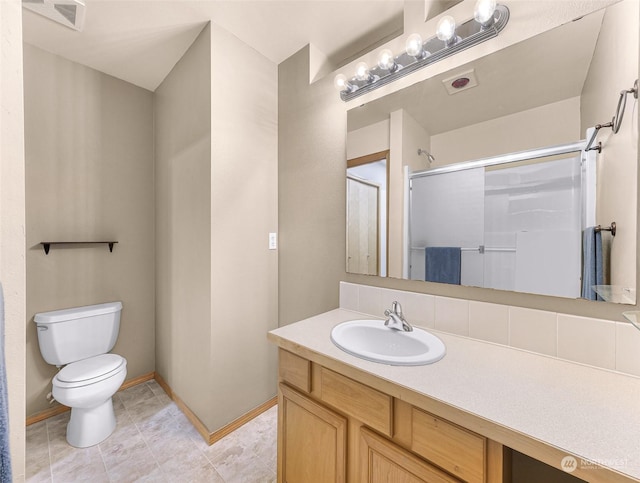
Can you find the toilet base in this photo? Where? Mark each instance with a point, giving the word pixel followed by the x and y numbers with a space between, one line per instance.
pixel 90 426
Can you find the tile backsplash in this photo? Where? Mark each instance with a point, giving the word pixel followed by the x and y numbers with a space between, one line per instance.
pixel 596 342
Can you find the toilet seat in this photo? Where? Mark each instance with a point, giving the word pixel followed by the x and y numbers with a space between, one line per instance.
pixel 89 371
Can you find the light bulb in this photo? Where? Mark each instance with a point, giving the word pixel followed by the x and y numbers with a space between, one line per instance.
pixel 386 60
pixel 414 45
pixel 362 71
pixel 341 83
pixel 483 12
pixel 446 29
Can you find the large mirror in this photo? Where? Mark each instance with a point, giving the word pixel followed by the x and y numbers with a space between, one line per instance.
pixel 480 177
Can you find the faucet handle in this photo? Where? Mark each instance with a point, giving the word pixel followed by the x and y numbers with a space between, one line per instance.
pixel 397 308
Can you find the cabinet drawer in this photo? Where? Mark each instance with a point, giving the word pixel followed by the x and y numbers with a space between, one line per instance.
pixel 295 370
pixel 363 403
pixel 456 450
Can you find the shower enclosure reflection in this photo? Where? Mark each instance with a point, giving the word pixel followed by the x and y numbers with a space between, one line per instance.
pixel 518 225
pixel 513 226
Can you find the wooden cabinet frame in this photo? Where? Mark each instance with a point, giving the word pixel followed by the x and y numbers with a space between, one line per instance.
pixel 361 418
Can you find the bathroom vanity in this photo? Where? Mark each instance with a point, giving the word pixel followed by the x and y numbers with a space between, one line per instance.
pixel 344 419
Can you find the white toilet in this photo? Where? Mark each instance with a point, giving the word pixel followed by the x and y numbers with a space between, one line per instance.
pixel 81 337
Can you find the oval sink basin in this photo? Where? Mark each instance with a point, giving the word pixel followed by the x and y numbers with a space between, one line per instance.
pixel 373 341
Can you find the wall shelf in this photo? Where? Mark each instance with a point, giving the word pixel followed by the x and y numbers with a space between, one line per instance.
pixel 46 245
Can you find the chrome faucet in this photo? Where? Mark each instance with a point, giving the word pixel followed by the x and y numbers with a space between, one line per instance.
pixel 395 318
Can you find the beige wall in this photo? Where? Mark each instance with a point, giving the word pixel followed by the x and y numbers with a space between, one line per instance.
pixel 216 189
pixel 312 151
pixel 617 164
pixel 556 123
pixel 12 223
pixel 244 196
pixel 368 140
pixel 414 137
pixel 406 136
pixel 396 193
pixel 312 125
pixel 183 224
pixel 89 176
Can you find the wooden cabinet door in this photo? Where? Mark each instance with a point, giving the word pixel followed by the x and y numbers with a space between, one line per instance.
pixel 312 441
pixel 381 461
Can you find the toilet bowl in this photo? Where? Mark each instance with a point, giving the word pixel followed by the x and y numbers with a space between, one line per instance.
pixel 87 387
pixel 80 339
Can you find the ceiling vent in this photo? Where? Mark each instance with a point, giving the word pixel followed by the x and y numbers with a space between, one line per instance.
pixel 460 82
pixel 69 13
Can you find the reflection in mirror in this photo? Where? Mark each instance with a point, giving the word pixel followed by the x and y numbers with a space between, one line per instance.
pixel 488 180
pixel 367 214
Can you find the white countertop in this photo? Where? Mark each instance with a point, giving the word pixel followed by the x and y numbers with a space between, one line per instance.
pixel 590 413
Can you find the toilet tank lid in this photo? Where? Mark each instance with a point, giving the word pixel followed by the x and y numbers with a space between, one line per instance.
pixel 77 313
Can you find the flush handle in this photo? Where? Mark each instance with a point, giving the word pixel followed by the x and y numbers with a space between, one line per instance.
pixel 42 327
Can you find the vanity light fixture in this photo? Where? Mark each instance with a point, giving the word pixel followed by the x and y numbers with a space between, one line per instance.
pixel 446 30
pixel 414 47
pixel 483 12
pixel 489 20
pixel 362 72
pixel 386 61
pixel 342 83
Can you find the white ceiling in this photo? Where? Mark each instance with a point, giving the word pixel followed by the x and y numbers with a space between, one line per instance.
pixel 141 40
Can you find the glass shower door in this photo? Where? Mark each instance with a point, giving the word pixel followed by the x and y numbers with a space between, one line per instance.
pixel 533 218
pixel 447 210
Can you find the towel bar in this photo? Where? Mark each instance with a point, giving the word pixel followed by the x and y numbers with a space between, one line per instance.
pixel 611 228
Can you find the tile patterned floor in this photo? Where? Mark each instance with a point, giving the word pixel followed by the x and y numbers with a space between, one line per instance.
pixel 153 442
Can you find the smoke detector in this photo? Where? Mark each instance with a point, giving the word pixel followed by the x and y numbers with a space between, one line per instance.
pixel 69 13
pixel 460 82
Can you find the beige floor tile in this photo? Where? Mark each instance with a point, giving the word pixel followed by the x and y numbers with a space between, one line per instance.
pixel 153 442
pixel 166 439
pixel 37 461
pixel 37 469
pixel 190 467
pixel 58 424
pixel 155 476
pixel 57 433
pixel 188 428
pixel 136 395
pixel 148 409
pixel 236 462
pixel 129 460
pixel 260 437
pixel 80 465
pixel 41 477
pixel 156 388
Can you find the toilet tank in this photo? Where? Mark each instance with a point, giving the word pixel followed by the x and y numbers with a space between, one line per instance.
pixel 77 333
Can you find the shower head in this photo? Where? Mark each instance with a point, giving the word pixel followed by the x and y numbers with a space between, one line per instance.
pixel 430 158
